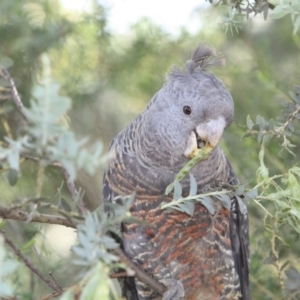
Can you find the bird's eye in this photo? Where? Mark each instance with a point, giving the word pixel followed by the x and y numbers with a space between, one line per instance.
pixel 187 110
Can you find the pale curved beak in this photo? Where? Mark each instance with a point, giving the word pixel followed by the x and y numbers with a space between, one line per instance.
pixel 206 134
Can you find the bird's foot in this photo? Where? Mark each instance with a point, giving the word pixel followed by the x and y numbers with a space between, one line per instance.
pixel 175 289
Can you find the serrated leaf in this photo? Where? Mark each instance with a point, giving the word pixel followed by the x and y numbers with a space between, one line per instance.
pixel 294 97
pixel 225 200
pixel 242 206
pixel 81 262
pixel 240 190
pixel 208 203
pixel 80 251
pixel 267 138
pixel 169 188
pixel 262 123
pixel 258 119
pixel 251 194
pixel 177 190
pixel 249 122
pixel 188 207
pixel 109 242
pixel 193 185
pixel 271 124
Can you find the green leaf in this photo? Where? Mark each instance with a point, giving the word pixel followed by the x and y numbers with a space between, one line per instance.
pixel 279 12
pixel 249 122
pixel 187 207
pixel 177 190
pixel 271 125
pixel 240 190
pixel 242 206
pixel 225 200
pixel 208 203
pixel 267 138
pixel 193 185
pixel 169 188
pixel 12 177
pixel 251 194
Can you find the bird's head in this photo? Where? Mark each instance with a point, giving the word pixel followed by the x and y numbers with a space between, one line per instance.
pixel 191 110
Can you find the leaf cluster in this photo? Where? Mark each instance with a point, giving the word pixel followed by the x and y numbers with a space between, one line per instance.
pixel 45 133
pixel 282 128
pixel 240 10
pixel 291 7
pixel 186 204
pixel 94 233
pixel 278 195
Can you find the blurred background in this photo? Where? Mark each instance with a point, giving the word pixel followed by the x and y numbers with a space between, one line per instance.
pixel 110 57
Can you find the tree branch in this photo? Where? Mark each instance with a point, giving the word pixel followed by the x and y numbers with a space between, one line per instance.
pixel 28 263
pixel 19 215
pixel 19 104
pixel 14 92
pixel 14 214
pixel 140 274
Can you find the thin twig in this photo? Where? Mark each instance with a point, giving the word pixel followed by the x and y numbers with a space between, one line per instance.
pixel 120 275
pixel 276 261
pixel 50 219
pixel 18 102
pixel 55 281
pixel 14 92
pixel 28 263
pixel 19 215
pixel 70 183
pixel 140 274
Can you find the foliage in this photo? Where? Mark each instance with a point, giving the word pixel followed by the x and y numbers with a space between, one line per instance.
pixel 224 195
pixel 233 13
pixel 282 190
pixel 93 256
pixel 110 79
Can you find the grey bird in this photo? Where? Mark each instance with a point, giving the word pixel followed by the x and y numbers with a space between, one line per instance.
pixel 204 256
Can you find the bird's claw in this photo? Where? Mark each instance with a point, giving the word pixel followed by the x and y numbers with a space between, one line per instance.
pixel 175 289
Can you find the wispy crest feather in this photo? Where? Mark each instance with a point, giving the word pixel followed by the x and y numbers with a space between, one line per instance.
pixel 203 58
